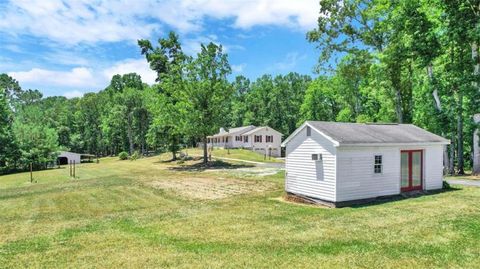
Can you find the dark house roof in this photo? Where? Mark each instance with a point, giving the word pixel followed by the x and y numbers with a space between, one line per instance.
pixel 374 133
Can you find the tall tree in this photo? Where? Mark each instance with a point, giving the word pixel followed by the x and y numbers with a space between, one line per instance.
pixel 169 61
pixel 10 86
pixel 207 93
pixel 8 150
pixel 320 101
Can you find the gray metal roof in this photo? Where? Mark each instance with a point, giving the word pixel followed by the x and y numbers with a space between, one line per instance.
pixel 366 133
pixel 234 131
pixel 240 130
pixel 260 128
pixel 253 130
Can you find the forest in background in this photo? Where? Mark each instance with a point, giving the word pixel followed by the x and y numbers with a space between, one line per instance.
pixel 380 61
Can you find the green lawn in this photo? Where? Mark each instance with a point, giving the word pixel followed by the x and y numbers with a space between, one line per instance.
pixel 243 154
pixel 151 214
pixel 468 176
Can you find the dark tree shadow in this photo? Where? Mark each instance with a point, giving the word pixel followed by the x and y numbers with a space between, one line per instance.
pixel 403 196
pixel 365 202
pixel 188 158
pixel 212 165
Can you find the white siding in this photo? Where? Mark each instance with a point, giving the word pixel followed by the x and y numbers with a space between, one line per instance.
pixel 302 175
pixel 262 147
pixel 356 178
pixel 433 167
pixel 71 157
pixel 235 143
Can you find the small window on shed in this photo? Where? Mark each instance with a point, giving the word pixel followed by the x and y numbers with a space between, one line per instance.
pixel 309 131
pixel 378 165
pixel 316 157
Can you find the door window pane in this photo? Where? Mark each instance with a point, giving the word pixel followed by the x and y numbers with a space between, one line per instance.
pixel 404 170
pixel 416 168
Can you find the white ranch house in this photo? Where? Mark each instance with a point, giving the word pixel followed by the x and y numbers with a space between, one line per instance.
pixel 340 163
pixel 264 139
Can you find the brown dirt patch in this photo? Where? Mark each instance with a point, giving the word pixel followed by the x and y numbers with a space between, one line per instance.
pixel 211 188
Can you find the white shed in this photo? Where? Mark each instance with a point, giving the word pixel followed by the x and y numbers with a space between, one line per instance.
pixel 339 163
pixel 65 157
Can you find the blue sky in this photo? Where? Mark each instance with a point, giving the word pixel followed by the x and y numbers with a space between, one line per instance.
pixel 72 47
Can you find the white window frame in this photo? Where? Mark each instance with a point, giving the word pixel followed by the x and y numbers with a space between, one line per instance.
pixel 375 164
pixel 319 157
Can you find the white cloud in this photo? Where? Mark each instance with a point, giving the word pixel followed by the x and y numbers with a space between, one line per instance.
pixel 79 77
pixel 75 22
pixel 73 94
pixel 139 66
pixel 91 21
pixel 82 77
pixel 289 62
pixel 238 68
pixel 192 45
pixel 295 14
pixel 66 58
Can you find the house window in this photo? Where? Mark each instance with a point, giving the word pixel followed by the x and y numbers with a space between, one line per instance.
pixel 309 131
pixel 378 165
pixel 269 138
pixel 246 139
pixel 226 139
pixel 257 139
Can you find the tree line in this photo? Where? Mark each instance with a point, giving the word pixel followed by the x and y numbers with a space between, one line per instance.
pixel 404 61
pixel 380 61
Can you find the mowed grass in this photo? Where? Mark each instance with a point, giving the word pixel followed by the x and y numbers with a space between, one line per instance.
pixel 468 176
pixel 243 154
pixel 111 216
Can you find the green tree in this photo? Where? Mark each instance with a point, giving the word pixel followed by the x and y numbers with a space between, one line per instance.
pixel 238 106
pixel 10 86
pixel 88 121
pixel 8 150
pixel 205 98
pixel 165 99
pixel 38 144
pixel 320 101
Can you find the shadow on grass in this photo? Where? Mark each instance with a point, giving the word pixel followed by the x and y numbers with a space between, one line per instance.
pixel 188 158
pixel 212 165
pixel 301 199
pixel 403 196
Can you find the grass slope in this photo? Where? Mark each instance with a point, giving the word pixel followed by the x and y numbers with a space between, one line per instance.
pixel 112 217
pixel 465 177
pixel 242 154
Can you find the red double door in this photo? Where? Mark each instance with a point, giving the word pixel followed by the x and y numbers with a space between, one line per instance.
pixel 411 175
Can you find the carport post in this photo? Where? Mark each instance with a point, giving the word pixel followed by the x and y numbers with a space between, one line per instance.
pixel 31 173
pixel 70 167
pixel 73 169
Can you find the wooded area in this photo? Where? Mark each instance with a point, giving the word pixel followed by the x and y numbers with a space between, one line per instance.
pixel 380 61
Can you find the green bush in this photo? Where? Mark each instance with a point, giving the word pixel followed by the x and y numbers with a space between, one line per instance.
pixel 123 155
pixel 136 155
